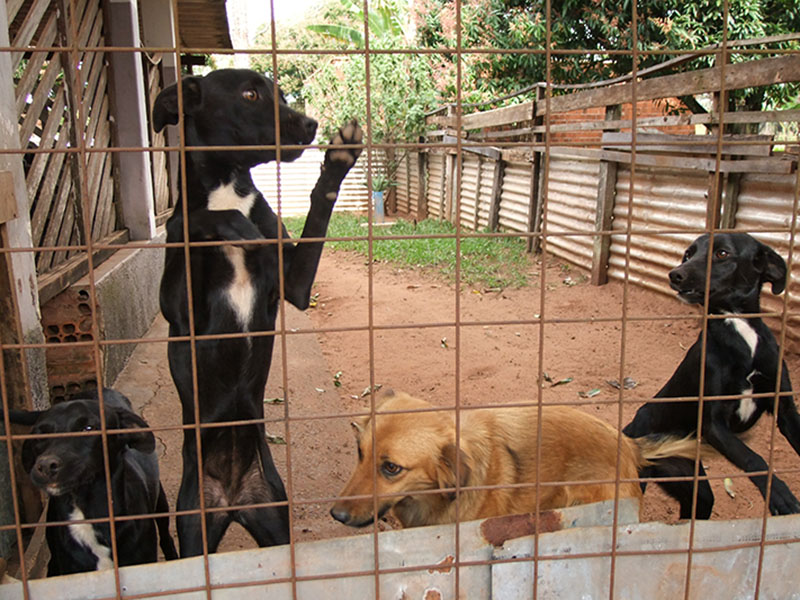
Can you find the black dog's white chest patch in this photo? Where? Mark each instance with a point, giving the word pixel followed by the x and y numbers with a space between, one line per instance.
pixel 84 534
pixel 747 405
pixel 240 292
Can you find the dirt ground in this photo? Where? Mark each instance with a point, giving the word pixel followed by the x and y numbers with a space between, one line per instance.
pixel 493 358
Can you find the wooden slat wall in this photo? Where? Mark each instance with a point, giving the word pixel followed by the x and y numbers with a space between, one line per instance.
pixel 48 121
pixel 163 202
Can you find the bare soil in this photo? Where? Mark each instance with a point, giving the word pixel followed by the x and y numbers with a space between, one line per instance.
pixel 494 357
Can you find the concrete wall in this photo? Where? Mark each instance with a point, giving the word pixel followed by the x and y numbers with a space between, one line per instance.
pixel 418 563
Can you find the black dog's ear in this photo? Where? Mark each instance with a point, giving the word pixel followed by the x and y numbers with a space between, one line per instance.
pixel 165 108
pixel 446 468
pixel 23 417
pixel 143 441
pixel 771 266
pixel 28 457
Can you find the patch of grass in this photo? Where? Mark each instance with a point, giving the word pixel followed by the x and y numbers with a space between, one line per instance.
pixel 486 262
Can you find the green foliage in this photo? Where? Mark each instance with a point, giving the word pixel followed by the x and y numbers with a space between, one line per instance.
pixel 486 262
pixel 601 27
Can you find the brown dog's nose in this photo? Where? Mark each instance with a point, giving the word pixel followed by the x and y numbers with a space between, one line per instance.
pixel 340 514
pixel 47 466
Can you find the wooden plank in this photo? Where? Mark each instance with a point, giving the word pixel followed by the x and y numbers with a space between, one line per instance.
pixel 30 24
pixel 498 116
pixel 604 214
pixel 40 99
pixel 45 200
pixel 736 144
pixel 488 152
pixel 8 199
pixel 767 71
pixel 776 165
pixel 35 64
pixel 57 280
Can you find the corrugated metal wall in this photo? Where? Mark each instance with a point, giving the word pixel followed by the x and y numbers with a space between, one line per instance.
pixel 436 184
pixel 297 179
pixel 662 200
pixel 571 208
pixel 766 202
pixel 414 187
pixel 515 197
pixel 487 185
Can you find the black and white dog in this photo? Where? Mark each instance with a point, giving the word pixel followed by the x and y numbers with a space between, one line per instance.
pixel 741 360
pixel 72 472
pixel 236 288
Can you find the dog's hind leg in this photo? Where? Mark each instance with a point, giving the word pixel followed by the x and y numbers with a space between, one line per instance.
pixel 162 524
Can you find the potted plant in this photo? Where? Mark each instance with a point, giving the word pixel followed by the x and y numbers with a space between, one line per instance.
pixel 381 182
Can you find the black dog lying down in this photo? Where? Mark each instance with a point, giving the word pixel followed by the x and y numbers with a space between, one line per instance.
pixel 71 471
pixel 236 289
pixel 741 359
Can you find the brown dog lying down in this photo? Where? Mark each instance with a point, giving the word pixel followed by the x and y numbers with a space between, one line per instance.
pixel 417 451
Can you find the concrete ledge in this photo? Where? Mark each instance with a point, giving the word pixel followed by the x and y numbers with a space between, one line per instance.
pixel 419 563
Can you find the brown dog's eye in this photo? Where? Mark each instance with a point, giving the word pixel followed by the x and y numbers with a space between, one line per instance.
pixel 391 469
pixel 250 95
pixel 721 254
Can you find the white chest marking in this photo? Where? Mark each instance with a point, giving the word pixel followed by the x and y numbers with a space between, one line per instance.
pixel 240 292
pixel 83 533
pixel 226 198
pixel 744 329
pixel 747 405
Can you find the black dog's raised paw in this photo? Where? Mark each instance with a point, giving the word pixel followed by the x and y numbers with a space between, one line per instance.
pixel 344 158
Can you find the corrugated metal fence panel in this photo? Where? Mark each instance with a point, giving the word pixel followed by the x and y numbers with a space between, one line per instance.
pixel 515 197
pixel 297 179
pixel 402 192
pixel 487 185
pixel 571 208
pixel 436 168
pixel 470 166
pixel 766 202
pixel 662 200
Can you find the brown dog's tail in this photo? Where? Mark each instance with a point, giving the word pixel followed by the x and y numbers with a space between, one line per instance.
pixel 658 447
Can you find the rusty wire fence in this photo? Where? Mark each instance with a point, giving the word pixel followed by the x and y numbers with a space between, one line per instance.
pixel 465 561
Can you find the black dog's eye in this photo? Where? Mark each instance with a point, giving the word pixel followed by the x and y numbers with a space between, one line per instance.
pixel 721 254
pixel 390 469
pixel 88 428
pixel 250 95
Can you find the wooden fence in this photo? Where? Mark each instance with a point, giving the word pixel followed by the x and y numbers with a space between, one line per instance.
pixel 626 205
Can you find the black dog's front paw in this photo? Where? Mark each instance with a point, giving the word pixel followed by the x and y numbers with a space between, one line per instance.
pixel 782 501
pixel 342 159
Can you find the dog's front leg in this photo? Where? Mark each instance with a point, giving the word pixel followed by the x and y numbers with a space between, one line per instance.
pixel 722 439
pixel 788 418
pixel 302 260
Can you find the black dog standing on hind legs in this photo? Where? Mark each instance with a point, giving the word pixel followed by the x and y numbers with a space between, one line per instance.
pixel 741 359
pixel 235 289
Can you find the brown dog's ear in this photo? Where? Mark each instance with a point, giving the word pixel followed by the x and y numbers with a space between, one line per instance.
pixel 771 266
pixel 143 441
pixel 165 108
pixel 359 425
pixel 446 468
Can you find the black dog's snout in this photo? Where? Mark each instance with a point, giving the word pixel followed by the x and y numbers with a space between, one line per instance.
pixel 676 276
pixel 47 466
pixel 310 126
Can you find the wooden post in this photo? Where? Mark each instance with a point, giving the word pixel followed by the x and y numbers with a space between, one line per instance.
pixel 449 178
pixel 24 371
pixel 477 193
pixel 157 32
pixel 497 190
pixel 443 186
pixel 534 200
pixel 606 192
pixel 129 105
pixel 422 200
pixel 730 200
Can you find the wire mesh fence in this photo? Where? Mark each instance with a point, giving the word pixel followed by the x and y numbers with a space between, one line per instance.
pixel 603 184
